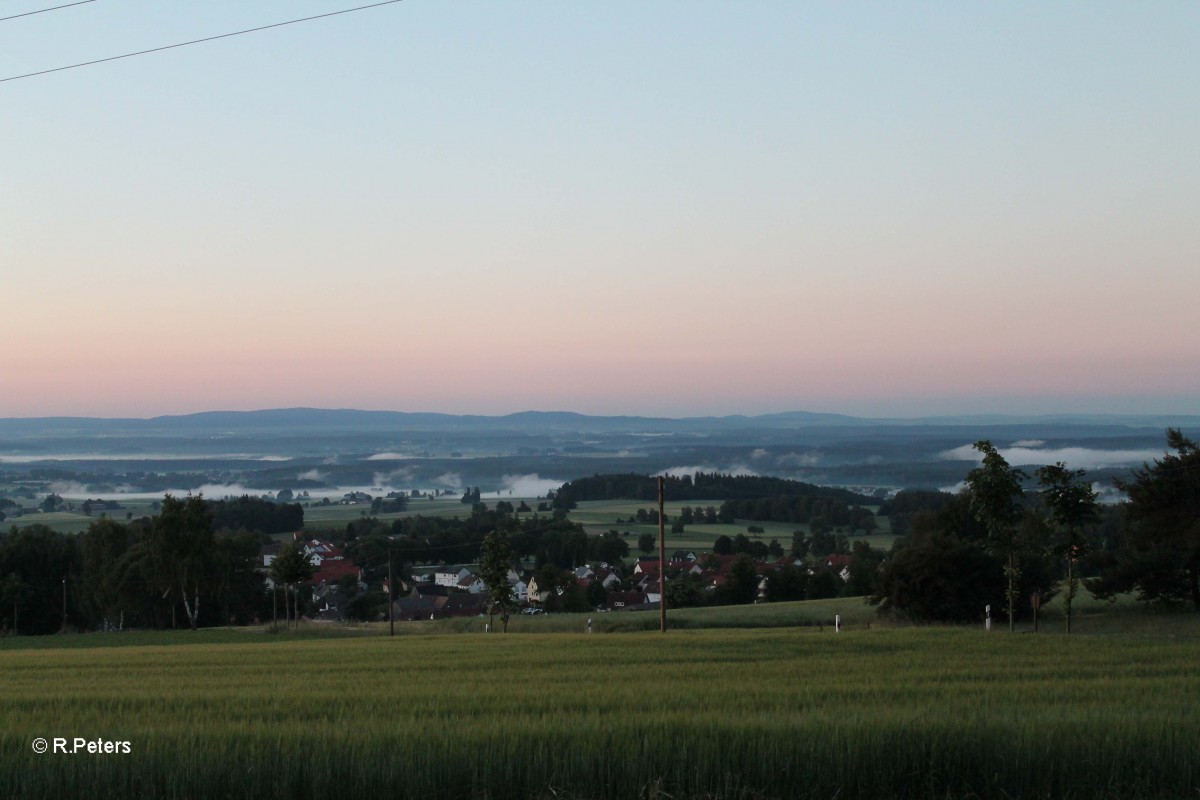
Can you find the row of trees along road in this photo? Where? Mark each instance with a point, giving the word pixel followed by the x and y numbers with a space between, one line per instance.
pixel 994 539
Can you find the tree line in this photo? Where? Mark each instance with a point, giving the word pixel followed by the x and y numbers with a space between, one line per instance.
pixel 700 486
pixel 194 563
pixel 997 541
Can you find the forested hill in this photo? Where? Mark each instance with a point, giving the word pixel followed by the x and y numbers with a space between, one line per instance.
pixel 701 486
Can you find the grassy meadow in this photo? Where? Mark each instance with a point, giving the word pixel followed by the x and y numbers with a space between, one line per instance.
pixel 791 712
pixel 335 515
pixel 598 516
pixel 76 521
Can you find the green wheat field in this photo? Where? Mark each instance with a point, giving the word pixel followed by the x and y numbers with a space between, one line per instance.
pixel 718 713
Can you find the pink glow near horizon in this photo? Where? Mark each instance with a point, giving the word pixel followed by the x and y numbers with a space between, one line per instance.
pixel 546 209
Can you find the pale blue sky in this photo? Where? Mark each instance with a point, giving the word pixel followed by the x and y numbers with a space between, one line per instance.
pixel 470 206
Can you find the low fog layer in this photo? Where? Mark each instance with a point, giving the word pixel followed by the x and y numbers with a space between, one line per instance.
pixel 1073 457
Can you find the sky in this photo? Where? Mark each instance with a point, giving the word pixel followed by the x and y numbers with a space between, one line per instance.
pixel 665 208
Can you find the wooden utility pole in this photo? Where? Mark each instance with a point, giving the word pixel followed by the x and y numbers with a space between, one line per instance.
pixel 662 563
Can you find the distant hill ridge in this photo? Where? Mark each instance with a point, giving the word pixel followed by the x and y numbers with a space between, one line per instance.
pixel 357 419
pixel 366 421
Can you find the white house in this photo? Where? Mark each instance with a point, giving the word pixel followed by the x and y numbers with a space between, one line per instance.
pixel 472 584
pixel 319 552
pixel 609 580
pixel 520 590
pixel 450 576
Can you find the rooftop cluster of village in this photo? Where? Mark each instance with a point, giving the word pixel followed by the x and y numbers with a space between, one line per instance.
pixel 692 578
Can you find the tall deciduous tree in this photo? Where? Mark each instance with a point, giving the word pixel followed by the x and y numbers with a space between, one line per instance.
pixel 171 558
pixel 102 549
pixel 1164 511
pixel 13 593
pixel 495 560
pixel 290 567
pixel 181 543
pixel 995 493
pixel 1072 504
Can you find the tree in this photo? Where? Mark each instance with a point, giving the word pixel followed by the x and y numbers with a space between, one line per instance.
pixel 609 548
pixel 822 543
pixel 799 544
pixel 234 581
pixel 686 591
pixel 174 555
pixel 787 583
pixel 907 502
pixel 995 491
pixel 723 546
pixel 573 597
pixel 290 567
pixel 1072 504
pixel 102 548
pixel 13 593
pixel 933 575
pixel 51 502
pixel 824 584
pixel 646 542
pixel 35 560
pixel 742 584
pixel 1162 558
pixel 495 560
pixel 366 606
pixel 864 567
pixel 596 594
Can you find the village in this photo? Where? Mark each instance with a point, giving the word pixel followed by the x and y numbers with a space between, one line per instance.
pixel 458 591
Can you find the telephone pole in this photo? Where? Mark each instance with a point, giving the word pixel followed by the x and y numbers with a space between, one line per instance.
pixel 662 563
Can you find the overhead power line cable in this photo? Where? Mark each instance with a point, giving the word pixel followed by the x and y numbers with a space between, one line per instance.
pixel 199 41
pixel 44 10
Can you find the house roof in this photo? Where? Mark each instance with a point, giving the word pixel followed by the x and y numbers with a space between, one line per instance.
pixel 323 549
pixel 623 599
pixel 330 571
pixel 456 601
